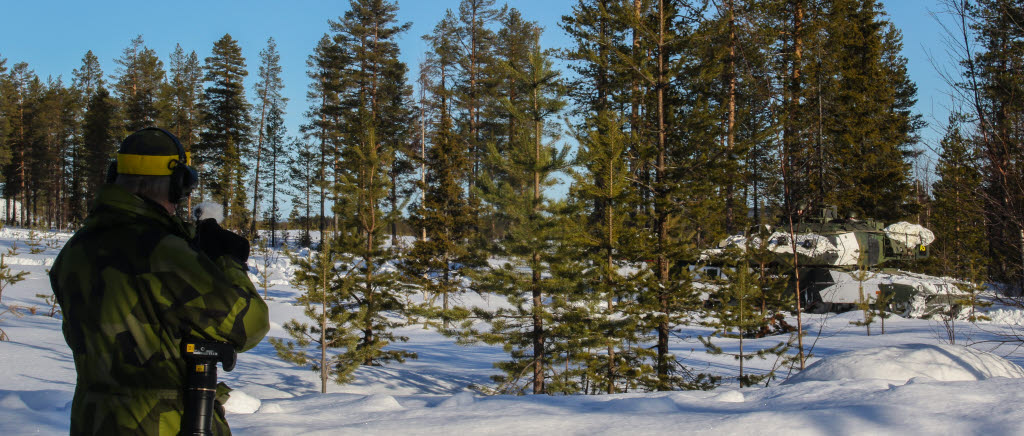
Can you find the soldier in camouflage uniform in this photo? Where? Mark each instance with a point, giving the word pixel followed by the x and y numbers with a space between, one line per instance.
pixel 135 281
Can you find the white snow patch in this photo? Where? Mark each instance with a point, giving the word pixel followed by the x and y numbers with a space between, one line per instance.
pixel 907 361
pixel 1006 316
pixel 29 260
pixel 241 402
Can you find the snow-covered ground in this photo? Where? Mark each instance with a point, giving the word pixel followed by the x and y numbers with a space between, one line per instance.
pixel 906 381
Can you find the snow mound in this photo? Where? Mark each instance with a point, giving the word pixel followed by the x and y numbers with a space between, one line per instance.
pixel 44 400
pixel 241 402
pixel 637 405
pixel 1005 316
pixel 460 399
pixel 730 397
pixel 374 403
pixel 905 362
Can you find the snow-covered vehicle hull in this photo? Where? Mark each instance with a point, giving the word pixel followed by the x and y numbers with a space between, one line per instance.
pixel 909 294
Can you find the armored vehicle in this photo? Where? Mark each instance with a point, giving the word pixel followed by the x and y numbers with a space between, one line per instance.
pixel 841 262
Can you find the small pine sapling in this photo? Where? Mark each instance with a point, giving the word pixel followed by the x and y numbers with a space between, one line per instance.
pixel 8 277
pixel 263 271
pixel 864 304
pixel 971 291
pixel 736 318
pixel 883 300
pixel 323 281
pixel 35 242
pixel 53 240
pixel 51 302
pixel 13 310
pixel 966 297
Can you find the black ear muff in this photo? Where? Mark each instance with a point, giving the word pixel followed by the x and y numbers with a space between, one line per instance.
pixel 183 177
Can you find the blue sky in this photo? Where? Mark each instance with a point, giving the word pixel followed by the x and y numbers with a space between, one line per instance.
pixel 52 36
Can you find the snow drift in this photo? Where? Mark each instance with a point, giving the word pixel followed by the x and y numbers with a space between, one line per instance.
pixel 907 361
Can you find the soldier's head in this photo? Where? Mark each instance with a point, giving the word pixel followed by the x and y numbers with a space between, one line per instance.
pixel 152 163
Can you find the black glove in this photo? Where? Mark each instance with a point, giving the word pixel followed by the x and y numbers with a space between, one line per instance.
pixel 213 240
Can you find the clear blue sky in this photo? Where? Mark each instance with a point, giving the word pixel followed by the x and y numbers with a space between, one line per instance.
pixel 52 36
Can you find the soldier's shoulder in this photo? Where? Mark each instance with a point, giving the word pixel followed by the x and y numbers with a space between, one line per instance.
pixel 128 241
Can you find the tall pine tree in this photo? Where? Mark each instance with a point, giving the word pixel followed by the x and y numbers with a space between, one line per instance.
pixel 226 139
pixel 137 85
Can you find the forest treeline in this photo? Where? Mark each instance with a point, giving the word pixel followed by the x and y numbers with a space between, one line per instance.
pixel 690 121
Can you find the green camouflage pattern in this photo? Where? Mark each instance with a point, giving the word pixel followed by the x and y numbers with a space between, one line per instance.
pixel 131 288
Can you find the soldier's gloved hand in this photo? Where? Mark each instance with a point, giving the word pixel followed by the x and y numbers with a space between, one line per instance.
pixel 215 241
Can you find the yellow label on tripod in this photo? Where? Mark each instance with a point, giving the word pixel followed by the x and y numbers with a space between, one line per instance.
pixel 200 368
pixel 189 348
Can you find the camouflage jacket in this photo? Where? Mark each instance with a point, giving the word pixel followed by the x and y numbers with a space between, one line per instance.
pixel 131 286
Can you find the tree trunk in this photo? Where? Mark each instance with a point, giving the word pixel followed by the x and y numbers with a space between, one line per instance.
pixel 256 178
pixel 789 144
pixel 538 303
pixel 730 78
pixel 661 218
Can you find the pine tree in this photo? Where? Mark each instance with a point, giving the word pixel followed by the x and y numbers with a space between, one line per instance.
pixel 324 68
pixel 268 92
pixel 51 133
pixel 137 85
pixel 302 180
pixel 604 237
pixel 21 85
pixel 533 232
pixel 596 35
pixel 735 316
pixel 320 277
pixel 864 300
pixel 276 156
pixel 515 42
pixel 226 140
pixel 445 213
pixel 99 137
pixel 674 136
pixel 184 91
pixel 958 216
pixel 604 191
pixel 6 95
pixel 475 60
pixel 373 82
pixel 993 87
pixel 86 82
pixel 869 123
pixel 89 77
